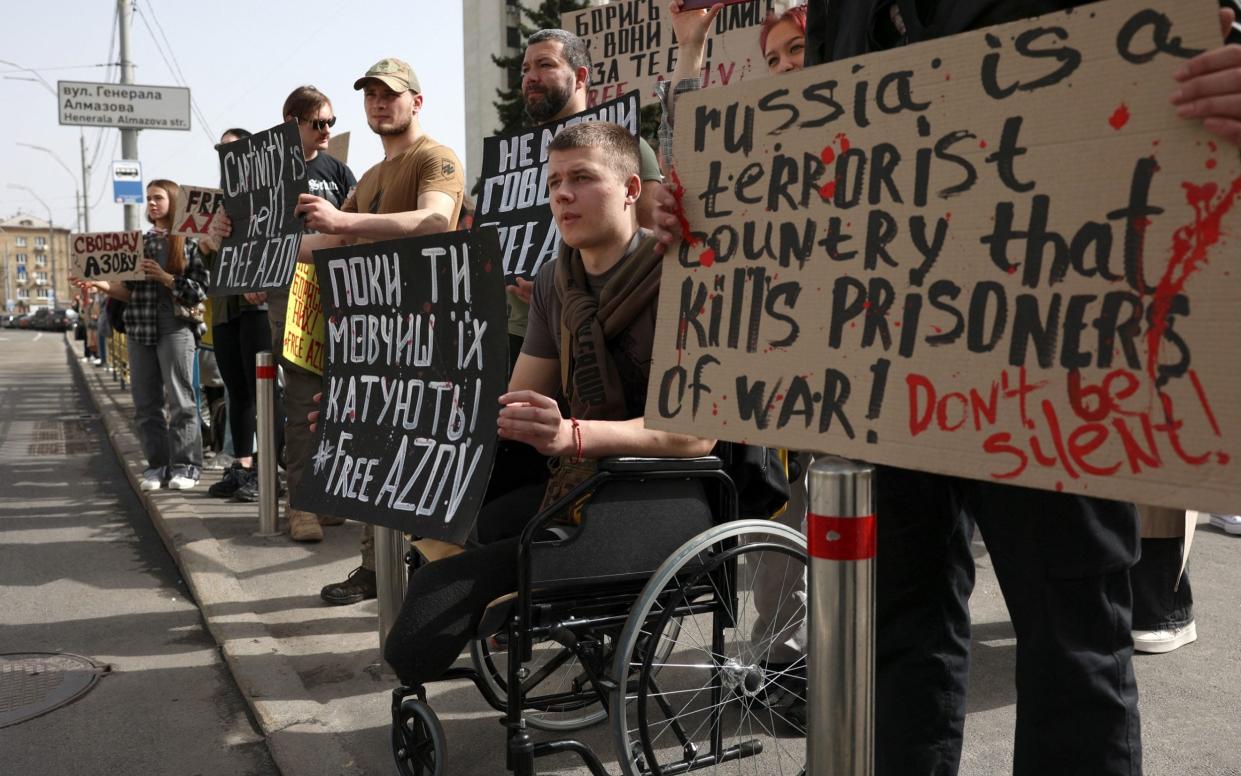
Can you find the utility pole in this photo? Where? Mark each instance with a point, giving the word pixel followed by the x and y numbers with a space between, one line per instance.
pixel 129 137
pixel 85 182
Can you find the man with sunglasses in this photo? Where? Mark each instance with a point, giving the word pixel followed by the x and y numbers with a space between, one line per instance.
pixel 332 180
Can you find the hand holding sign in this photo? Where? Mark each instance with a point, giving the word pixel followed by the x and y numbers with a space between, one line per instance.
pixel 535 419
pixel 1208 87
pixel 321 215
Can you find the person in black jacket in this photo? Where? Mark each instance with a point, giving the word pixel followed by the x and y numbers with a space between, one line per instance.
pixel 1062 561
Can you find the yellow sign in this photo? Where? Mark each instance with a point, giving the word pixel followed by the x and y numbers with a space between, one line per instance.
pixel 303 321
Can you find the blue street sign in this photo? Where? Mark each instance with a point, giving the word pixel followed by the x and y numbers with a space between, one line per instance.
pixel 127 182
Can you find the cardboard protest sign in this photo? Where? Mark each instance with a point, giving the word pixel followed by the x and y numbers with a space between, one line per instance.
pixel 195 208
pixel 514 195
pixel 304 332
pixel 1000 255
pixel 262 176
pixel 632 45
pixel 416 362
pixel 107 256
pixel 338 147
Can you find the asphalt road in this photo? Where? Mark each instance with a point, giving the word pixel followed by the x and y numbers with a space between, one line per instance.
pixel 82 571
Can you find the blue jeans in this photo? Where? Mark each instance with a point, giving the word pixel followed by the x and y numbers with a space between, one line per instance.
pixel 1063 565
pixel 165 413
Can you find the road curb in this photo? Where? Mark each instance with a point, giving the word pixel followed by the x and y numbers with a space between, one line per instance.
pixel 277 696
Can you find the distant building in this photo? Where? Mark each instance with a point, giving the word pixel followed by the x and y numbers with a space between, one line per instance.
pixel 34 264
pixel 491 27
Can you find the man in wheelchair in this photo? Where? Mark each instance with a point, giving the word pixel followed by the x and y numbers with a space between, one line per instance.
pixel 592 320
pixel 588 349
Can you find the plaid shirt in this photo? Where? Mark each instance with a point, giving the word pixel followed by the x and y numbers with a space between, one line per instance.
pixel 188 289
pixel 667 122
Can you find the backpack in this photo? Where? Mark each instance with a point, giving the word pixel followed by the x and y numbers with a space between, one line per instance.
pixel 116 315
pixel 760 476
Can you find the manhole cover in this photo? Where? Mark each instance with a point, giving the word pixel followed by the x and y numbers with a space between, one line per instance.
pixel 61 437
pixel 34 683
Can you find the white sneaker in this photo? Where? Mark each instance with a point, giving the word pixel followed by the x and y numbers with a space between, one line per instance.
pixel 1230 523
pixel 1160 641
pixel 152 479
pixel 181 481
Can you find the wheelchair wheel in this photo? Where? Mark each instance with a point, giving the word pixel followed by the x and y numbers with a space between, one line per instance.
pixel 418 743
pixel 712 693
pixel 559 696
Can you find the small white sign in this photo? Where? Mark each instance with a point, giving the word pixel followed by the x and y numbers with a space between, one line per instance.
pixel 125 106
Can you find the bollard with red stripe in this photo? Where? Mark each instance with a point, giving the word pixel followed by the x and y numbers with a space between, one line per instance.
pixel 840 671
pixel 265 398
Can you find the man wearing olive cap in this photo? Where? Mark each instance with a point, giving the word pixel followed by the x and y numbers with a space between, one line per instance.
pixel 416 190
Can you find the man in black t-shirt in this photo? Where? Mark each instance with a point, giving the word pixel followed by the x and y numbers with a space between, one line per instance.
pixel 332 180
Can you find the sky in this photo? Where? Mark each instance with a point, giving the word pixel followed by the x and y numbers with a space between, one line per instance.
pixel 239 59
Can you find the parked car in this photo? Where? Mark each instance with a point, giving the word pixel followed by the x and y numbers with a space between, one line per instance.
pixel 62 320
pixel 41 319
pixel 23 321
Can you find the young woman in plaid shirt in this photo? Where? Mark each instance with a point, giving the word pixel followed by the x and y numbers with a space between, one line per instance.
pixel 162 339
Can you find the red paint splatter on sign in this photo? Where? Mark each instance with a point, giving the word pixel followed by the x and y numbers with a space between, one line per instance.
pixel 678 191
pixel 1190 245
pixel 1119 117
pixel 828 190
pixel 1210 164
pixel 828 154
pixel 706 258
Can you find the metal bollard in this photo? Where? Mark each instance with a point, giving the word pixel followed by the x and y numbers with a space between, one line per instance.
pixel 265 394
pixel 391 576
pixel 840 532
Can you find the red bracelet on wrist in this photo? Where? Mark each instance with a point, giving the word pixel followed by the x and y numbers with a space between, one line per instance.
pixel 577 438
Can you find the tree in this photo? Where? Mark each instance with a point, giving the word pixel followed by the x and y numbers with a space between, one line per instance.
pixel 510 107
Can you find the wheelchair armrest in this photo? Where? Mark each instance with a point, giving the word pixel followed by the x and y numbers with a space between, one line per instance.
pixel 644 465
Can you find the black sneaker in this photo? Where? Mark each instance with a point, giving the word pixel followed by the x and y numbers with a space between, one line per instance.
pixel 358 586
pixel 234 477
pixel 249 490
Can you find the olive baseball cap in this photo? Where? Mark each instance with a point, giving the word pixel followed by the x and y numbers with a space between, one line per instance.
pixel 393 72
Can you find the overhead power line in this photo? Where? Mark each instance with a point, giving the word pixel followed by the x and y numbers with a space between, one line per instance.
pixel 173 70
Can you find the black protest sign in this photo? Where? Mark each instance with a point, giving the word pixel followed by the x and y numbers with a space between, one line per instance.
pixel 262 177
pixel 514 196
pixel 417 358
pixel 1001 256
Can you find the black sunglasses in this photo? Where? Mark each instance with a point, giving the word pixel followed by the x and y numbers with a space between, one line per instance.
pixel 319 125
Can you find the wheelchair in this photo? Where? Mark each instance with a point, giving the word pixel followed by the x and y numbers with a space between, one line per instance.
pixel 641 615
